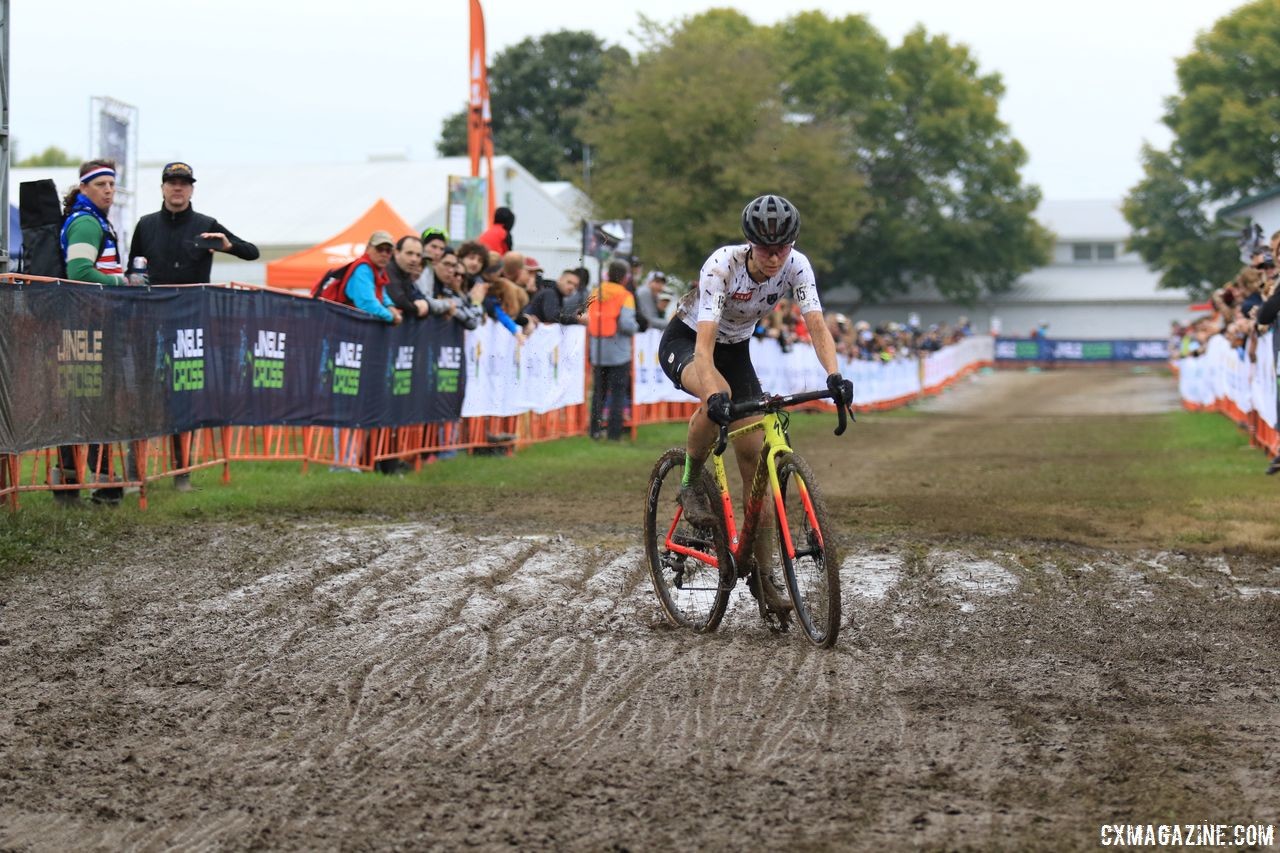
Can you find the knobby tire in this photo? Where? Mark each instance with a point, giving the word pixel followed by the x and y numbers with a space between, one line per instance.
pixel 813 576
pixel 692 594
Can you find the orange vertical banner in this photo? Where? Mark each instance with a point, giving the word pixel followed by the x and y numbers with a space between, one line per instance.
pixel 478 102
pixel 488 156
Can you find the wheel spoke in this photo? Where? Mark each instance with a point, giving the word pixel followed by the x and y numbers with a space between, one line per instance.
pixel 812 571
pixel 692 593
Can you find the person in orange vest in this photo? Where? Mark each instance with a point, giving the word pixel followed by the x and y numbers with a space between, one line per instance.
pixel 611 324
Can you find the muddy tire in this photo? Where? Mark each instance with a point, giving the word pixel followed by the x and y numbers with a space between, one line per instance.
pixel 693 594
pixel 813 573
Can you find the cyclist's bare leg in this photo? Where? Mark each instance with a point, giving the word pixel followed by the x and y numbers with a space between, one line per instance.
pixel 703 432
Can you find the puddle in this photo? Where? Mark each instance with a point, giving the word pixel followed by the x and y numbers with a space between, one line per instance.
pixel 871 576
pixel 981 577
pixel 1256 591
pixel 973 578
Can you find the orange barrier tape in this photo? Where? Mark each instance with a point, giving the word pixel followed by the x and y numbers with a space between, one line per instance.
pixel 1261 434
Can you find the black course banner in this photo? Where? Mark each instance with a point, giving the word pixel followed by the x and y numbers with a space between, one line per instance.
pixel 80 363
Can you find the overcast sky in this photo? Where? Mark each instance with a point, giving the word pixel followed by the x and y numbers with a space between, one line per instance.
pixel 254 81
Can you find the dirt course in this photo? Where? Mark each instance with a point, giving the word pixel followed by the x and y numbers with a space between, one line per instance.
pixel 422 686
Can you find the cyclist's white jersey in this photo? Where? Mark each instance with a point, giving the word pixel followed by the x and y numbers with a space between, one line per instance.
pixel 727 295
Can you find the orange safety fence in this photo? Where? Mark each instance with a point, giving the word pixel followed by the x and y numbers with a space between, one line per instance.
pixel 362 449
pixel 965 372
pixel 1261 434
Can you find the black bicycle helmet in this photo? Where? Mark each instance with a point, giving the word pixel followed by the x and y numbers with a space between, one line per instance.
pixel 770 220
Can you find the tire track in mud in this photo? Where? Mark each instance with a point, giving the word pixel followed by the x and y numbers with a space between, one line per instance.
pixel 405 686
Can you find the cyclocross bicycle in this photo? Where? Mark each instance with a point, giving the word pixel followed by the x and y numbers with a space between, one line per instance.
pixel 694 569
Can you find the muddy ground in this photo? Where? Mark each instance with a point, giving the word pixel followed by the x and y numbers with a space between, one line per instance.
pixel 414 686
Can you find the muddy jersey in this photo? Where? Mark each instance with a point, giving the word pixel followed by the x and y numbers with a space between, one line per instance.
pixel 727 295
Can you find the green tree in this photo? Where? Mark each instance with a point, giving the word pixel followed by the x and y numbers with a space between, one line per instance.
pixel 535 90
pixel 1226 126
pixel 51 156
pixel 1167 214
pixel 896 157
pixel 948 204
pixel 696 127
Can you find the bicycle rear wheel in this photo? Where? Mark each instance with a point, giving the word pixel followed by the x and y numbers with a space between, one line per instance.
pixel 811 564
pixel 692 592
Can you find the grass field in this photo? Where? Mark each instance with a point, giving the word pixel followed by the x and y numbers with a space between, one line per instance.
pixel 1177 480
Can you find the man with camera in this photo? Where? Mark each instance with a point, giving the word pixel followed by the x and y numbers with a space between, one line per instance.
pixel 178 244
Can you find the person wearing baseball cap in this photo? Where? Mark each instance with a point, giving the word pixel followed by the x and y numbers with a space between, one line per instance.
pixel 367 283
pixel 434 242
pixel 178 244
pixel 652 314
pixel 532 279
pixel 364 285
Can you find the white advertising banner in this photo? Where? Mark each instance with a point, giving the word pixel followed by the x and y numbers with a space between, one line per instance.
pixel 548 372
pixel 1264 381
pixel 1226 373
pixel 797 370
pixel 652 385
pixel 953 360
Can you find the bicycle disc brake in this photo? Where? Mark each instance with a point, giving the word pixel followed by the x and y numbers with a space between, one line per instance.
pixel 676 564
pixel 777 618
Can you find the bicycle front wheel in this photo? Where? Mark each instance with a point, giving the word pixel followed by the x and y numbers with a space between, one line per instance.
pixel 693 593
pixel 806 542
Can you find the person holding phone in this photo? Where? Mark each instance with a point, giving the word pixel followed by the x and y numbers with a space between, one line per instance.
pixel 178 244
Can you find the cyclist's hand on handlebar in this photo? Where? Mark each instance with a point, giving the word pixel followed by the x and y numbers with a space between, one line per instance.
pixel 718 408
pixel 841 390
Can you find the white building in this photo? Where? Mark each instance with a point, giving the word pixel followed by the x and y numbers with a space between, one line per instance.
pixel 1092 288
pixel 285 208
pixel 1263 209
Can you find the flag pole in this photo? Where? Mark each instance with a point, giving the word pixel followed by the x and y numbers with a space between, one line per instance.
pixel 479 118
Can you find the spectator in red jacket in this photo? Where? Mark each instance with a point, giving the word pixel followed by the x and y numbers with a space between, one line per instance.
pixel 498 236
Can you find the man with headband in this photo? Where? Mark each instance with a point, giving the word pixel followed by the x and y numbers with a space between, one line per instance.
pixel 89 243
pixel 92 253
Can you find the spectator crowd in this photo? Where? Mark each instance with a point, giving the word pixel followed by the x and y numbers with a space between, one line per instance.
pixel 861 340
pixel 403 278
pixel 1242 308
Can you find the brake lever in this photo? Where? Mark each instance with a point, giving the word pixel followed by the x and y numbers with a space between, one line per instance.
pixel 842 422
pixel 723 440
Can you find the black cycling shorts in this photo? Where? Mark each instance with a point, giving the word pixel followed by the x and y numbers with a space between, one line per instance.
pixel 732 360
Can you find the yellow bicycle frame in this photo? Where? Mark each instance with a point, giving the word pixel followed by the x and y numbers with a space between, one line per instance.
pixel 775 443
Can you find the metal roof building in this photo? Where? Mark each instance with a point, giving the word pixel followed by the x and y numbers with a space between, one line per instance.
pixel 1092 287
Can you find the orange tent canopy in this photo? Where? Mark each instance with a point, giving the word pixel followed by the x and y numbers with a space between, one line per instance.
pixel 302 270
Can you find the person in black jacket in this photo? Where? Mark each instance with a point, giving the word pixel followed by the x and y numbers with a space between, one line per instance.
pixel 548 303
pixel 402 273
pixel 168 240
pixel 168 237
